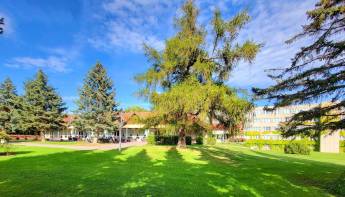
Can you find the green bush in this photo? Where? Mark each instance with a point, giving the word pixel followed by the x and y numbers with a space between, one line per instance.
pixel 210 140
pixel 297 147
pixel 4 136
pixel 4 139
pixel 273 144
pixel 338 186
pixel 169 140
pixel 342 146
pixel 188 140
pixel 199 140
pixel 342 133
pixel 151 139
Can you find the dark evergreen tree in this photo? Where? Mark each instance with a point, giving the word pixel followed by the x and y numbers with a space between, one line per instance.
pixel 96 104
pixel 43 107
pixel 10 108
pixel 317 73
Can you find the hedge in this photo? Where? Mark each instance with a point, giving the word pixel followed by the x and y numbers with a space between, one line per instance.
pixel 297 147
pixel 273 144
pixel 170 140
pixel 342 145
pixel 199 140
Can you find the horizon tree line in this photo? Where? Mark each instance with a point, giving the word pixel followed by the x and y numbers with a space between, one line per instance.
pixel 41 109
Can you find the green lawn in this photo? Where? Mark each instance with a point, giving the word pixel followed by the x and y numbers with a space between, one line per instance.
pixel 223 170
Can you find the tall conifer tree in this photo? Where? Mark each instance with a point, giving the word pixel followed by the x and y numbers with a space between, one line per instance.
pixel 96 104
pixel 43 106
pixel 316 73
pixel 10 107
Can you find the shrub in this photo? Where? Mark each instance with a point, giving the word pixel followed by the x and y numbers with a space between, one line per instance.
pixel 169 140
pixel 272 144
pixel 4 139
pixel 210 140
pixel 338 186
pixel 342 146
pixel 151 139
pixel 297 148
pixel 199 140
pixel 188 140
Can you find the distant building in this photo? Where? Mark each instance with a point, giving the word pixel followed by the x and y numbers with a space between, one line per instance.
pixel 133 129
pixel 262 120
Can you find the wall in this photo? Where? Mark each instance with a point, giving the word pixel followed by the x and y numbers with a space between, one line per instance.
pixel 330 143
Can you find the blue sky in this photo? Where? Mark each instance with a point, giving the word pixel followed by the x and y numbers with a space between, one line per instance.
pixel 65 38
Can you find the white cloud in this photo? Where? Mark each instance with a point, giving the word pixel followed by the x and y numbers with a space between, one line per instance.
pixel 272 24
pixel 129 24
pixel 57 59
pixel 126 25
pixel 51 62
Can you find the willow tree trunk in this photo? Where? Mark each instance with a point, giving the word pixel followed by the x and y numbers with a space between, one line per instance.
pixel 181 138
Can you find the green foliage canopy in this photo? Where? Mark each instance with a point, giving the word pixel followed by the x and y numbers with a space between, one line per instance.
pixel 192 78
pixel 43 107
pixel 11 107
pixel 96 104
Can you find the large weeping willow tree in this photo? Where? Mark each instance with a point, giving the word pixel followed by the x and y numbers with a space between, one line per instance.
pixel 191 74
pixel 316 73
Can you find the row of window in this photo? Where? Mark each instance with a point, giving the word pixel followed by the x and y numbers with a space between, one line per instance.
pixel 277 111
pixel 273 128
pixel 270 120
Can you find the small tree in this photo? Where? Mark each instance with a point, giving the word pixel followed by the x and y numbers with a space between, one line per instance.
pixel 96 104
pixel 4 142
pixel 43 110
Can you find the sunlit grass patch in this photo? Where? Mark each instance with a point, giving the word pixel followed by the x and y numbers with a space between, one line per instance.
pixel 221 170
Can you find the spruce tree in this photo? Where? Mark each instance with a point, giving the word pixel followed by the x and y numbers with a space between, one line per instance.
pixel 193 79
pixel 43 106
pixel 96 104
pixel 10 108
pixel 316 73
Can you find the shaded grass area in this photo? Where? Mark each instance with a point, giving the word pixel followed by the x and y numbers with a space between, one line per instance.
pixel 223 170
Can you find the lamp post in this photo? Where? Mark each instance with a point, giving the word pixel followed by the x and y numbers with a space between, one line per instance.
pixel 120 130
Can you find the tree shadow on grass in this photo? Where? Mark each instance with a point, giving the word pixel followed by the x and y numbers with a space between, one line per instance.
pixel 277 175
pixel 13 153
pixel 161 171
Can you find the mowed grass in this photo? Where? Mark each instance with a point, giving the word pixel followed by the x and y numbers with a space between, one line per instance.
pixel 222 170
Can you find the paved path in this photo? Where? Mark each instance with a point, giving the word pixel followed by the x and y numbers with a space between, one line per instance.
pixel 83 146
